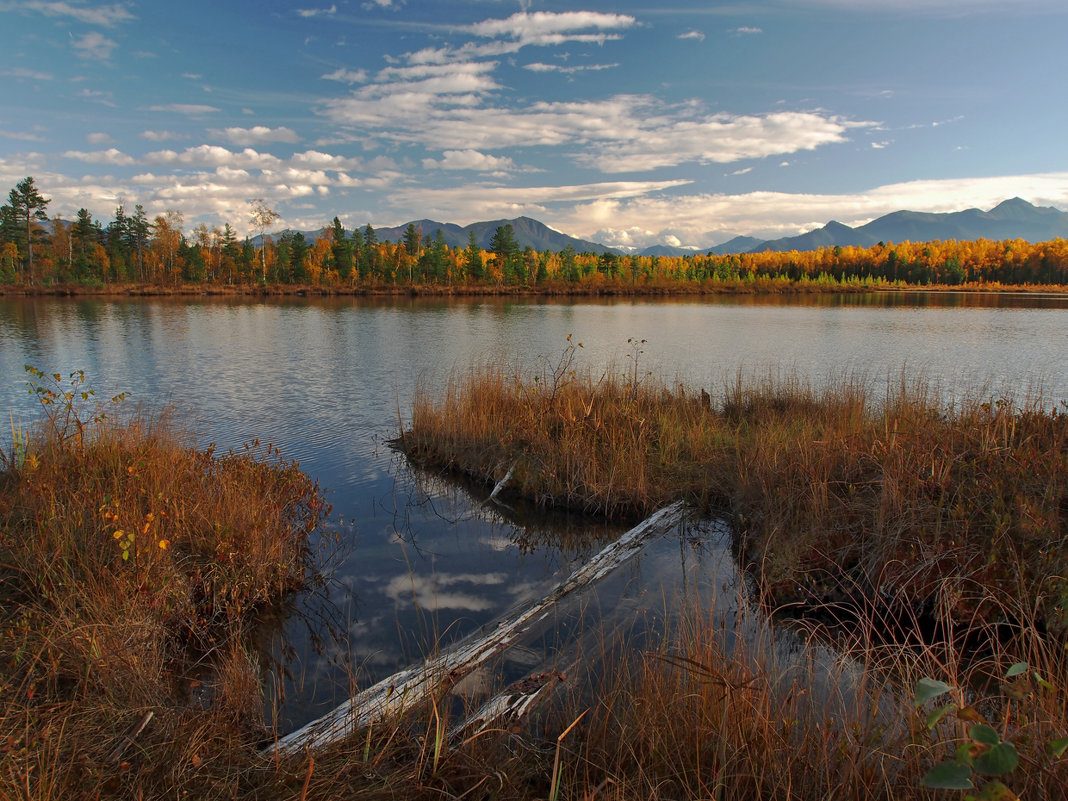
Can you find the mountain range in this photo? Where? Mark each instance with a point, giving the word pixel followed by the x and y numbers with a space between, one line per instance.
pixel 1011 219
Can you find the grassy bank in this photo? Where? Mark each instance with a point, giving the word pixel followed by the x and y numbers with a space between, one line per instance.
pixel 838 493
pixel 132 569
pixel 604 288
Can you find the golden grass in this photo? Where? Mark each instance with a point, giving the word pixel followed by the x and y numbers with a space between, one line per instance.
pixel 937 530
pixel 132 566
pixel 838 494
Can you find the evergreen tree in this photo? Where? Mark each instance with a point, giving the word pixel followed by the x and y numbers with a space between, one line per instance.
pixel 26 205
pixel 476 268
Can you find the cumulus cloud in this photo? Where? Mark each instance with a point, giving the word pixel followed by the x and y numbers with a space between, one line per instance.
pixel 525 29
pixel 776 214
pixel 346 76
pixel 315 12
pixel 746 31
pixel 94 45
pixel 625 133
pixel 109 156
pixel 258 134
pixel 160 136
pixel 99 139
pixel 692 35
pixel 470 160
pixel 534 27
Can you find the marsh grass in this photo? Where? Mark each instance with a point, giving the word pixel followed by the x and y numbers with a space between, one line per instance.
pixel 132 569
pixel 838 494
pixel 927 537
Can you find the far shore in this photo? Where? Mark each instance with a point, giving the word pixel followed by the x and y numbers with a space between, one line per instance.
pixel 760 286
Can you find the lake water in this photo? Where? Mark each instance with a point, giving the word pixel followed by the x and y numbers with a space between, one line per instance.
pixel 330 382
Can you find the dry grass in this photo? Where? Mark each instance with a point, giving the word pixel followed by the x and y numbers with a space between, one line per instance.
pixel 839 495
pixel 936 531
pixel 132 566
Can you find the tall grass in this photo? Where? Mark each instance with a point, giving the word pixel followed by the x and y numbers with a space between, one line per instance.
pixel 838 493
pixel 132 568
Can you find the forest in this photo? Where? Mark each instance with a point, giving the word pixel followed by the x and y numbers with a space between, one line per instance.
pixel 131 248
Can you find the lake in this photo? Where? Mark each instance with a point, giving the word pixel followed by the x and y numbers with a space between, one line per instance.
pixel 416 558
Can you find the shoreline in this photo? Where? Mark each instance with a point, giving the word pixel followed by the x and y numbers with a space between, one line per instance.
pixel 770 286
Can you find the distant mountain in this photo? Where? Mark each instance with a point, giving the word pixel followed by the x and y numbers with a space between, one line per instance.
pixel 1011 219
pixel 528 232
pixel 668 251
pixel 740 244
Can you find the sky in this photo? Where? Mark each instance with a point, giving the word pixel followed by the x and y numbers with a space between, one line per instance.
pixel 630 123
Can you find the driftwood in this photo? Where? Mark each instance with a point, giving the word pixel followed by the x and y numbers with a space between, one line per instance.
pixel 404 690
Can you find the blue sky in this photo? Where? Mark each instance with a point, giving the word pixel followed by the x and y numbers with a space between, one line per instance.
pixel 629 123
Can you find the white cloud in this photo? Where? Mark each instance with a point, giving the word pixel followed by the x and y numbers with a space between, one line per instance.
pixel 746 31
pixel 160 136
pixel 625 133
pixel 193 109
pixel 534 27
pixel 776 214
pixel 22 135
pixel 692 35
pixel 109 156
pixel 258 134
pixel 33 75
pixel 315 12
pixel 742 171
pixel 346 76
pixel 94 45
pixel 470 160
pixel 537 66
pixel 99 139
pixel 104 98
pixel 105 15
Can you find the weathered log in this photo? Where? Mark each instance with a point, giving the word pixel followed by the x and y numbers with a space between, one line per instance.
pixel 405 689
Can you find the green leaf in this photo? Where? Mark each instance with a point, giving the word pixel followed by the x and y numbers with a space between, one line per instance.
pixel 949 776
pixel 1056 748
pixel 984 734
pixel 1016 670
pixel 1042 682
pixel 999 760
pixel 926 689
pixel 938 714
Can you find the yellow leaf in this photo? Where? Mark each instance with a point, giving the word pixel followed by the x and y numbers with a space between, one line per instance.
pixel 164 544
pixel 118 534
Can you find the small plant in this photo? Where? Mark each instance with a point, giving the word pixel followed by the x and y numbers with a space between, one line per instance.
pixel 984 752
pixel 62 402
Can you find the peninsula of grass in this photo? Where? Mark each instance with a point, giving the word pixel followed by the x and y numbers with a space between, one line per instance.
pixel 844 494
pixel 133 567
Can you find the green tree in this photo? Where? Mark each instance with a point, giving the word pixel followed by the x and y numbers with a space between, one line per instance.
pixel 411 239
pixel 369 252
pixel 476 268
pixel 341 249
pixel 26 206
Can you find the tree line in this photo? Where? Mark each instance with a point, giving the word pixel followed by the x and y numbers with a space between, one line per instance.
pixel 132 248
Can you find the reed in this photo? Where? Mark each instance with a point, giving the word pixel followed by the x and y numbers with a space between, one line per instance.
pixel 843 493
pixel 132 568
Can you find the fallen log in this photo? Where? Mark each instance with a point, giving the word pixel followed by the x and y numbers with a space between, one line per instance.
pixel 405 689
